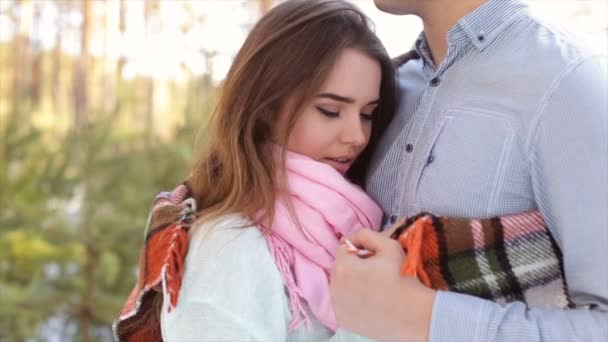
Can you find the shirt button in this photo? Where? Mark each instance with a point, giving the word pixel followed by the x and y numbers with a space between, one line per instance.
pixel 481 37
pixel 435 81
pixel 430 160
pixel 392 219
pixel 409 147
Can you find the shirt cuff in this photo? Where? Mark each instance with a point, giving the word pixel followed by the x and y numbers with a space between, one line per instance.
pixel 460 317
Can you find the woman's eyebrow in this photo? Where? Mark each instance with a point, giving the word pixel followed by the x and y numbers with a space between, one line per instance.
pixel 339 98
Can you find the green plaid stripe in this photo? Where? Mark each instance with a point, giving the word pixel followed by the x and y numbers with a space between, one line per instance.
pixel 526 268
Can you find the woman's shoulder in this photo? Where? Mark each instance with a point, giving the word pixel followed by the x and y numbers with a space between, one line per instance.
pixel 231 289
pixel 228 247
pixel 230 231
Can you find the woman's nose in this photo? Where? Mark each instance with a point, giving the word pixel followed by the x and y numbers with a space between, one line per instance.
pixel 354 132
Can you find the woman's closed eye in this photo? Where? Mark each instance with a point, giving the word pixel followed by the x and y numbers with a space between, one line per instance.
pixel 327 112
pixel 332 114
pixel 367 117
pixel 367 112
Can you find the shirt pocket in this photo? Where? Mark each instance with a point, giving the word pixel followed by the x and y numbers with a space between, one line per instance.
pixel 463 165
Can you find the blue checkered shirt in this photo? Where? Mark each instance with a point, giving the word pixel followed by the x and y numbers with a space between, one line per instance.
pixel 514 119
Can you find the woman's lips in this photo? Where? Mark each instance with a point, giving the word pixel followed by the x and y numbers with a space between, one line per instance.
pixel 340 164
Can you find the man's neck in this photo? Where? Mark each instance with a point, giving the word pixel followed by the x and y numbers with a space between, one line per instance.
pixel 438 17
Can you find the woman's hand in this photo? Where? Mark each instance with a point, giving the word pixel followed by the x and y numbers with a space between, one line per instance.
pixel 371 298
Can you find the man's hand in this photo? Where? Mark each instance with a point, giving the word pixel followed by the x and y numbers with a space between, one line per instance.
pixel 371 298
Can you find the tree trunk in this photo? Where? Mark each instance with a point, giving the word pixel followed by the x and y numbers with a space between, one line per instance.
pixel 150 10
pixel 57 57
pixel 20 57
pixel 81 93
pixel 122 27
pixel 108 96
pixel 35 86
pixel 81 104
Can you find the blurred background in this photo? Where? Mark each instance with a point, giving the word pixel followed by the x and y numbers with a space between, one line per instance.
pixel 101 102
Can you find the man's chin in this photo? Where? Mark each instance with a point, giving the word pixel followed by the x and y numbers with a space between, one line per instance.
pixel 397 7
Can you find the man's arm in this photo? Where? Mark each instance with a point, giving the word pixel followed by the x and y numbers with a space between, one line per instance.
pixel 569 153
pixel 568 148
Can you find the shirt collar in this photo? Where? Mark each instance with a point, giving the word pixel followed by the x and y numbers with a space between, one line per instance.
pixel 480 27
pixel 422 48
pixel 484 24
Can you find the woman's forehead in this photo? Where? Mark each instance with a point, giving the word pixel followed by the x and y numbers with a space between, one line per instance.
pixel 354 75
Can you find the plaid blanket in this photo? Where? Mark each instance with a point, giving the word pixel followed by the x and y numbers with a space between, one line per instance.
pixel 505 259
pixel 160 267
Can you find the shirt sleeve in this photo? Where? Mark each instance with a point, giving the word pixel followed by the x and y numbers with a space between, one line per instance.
pixel 568 149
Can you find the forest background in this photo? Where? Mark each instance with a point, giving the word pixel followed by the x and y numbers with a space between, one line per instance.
pixel 101 103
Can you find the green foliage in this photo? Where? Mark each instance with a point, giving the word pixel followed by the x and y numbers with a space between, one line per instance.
pixel 72 200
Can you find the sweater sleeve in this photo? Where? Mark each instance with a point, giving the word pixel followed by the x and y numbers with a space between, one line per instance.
pixel 231 289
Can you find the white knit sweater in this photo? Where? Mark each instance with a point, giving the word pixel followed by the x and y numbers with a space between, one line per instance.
pixel 233 291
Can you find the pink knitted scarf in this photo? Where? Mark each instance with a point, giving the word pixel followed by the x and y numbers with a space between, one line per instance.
pixel 326 206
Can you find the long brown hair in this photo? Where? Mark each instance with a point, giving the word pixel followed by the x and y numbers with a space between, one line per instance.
pixel 289 53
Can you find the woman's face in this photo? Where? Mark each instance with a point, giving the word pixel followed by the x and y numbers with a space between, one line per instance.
pixel 335 127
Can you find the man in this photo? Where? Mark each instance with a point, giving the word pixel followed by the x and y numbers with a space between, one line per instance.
pixel 501 114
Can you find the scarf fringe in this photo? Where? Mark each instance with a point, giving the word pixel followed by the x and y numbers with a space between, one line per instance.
pixel 173 265
pixel 283 256
pixel 412 241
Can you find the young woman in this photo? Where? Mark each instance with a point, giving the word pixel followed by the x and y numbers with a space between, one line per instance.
pixel 301 108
